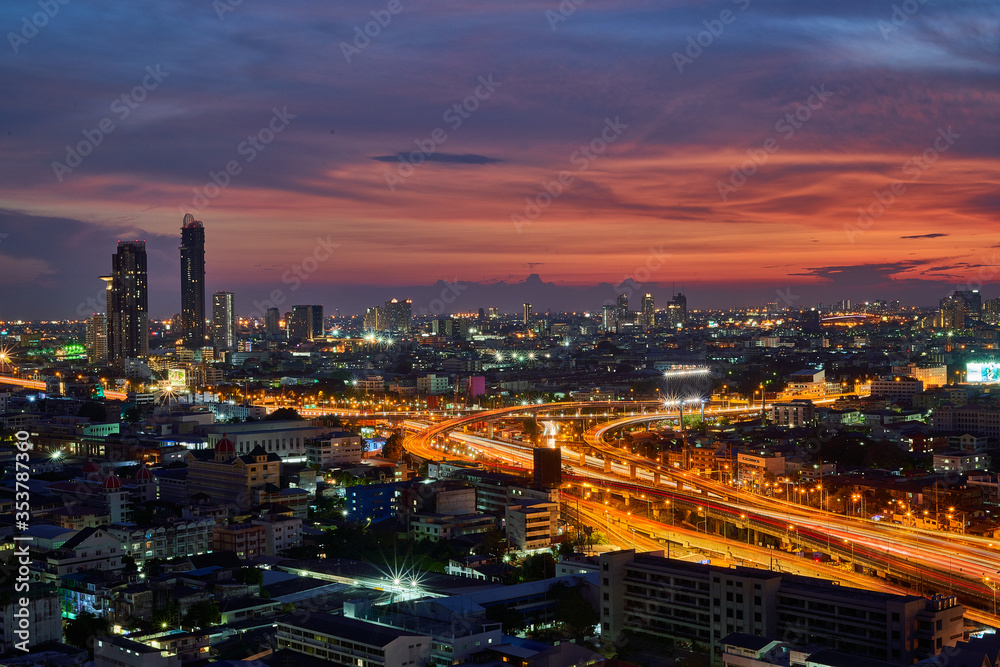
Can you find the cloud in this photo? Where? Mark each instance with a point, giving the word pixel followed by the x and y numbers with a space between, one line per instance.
pixel 448 158
pixel 924 236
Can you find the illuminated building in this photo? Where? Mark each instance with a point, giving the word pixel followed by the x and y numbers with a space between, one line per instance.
pixel 231 478
pixel 527 314
pixel 128 305
pixel 952 312
pixel 648 311
pixel 97 338
pixel 677 311
pixel 192 281
pixel 223 321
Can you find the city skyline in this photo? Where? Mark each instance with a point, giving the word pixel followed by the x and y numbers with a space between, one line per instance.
pixel 849 155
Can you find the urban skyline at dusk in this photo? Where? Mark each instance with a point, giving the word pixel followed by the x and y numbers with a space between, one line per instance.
pixel 756 148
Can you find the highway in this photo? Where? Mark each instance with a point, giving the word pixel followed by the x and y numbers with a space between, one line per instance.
pixel 935 562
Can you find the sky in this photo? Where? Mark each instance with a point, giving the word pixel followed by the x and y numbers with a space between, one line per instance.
pixel 483 154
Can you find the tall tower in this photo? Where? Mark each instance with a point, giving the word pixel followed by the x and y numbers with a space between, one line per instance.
pixel 621 310
pixel 527 314
pixel 193 281
pixel 271 319
pixel 223 321
pixel 128 305
pixel 648 311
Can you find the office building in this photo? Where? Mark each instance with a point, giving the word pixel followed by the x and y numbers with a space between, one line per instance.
pixel 532 524
pixel 991 311
pixel 622 315
pixel 973 302
pixel 117 651
pixel 398 315
pixel 648 311
pixel 794 414
pixel 677 311
pixel 699 605
pixel 192 282
pixel 223 321
pixel 44 617
pixel 527 314
pixel 272 323
pixel 306 323
pixel 348 641
pixel 335 449
pixel 97 338
pixel 128 303
pixel 226 477
pixel 952 312
pixel 547 469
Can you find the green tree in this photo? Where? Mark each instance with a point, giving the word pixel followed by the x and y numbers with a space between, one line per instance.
pixel 572 610
pixel 537 566
pixel 493 544
pixel 530 429
pixel 203 614
pixel 393 448
pixel 82 630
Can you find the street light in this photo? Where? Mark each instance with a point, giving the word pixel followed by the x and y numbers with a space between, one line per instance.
pixel 993 586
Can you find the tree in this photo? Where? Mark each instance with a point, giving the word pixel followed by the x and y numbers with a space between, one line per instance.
pixel 566 548
pixel 281 414
pixel 82 630
pixel 510 620
pixel 129 563
pixel 250 575
pixel 393 448
pixel 92 411
pixel 132 414
pixel 203 614
pixel 537 566
pixel 572 610
pixel 530 429
pixel 493 544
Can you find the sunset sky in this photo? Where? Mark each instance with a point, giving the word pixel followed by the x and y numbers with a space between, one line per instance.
pixel 647 106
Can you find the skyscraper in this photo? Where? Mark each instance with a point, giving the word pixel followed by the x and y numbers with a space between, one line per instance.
pixel 648 311
pixel 223 321
pixel 621 310
pixel 527 314
pixel 318 329
pixel 193 281
pixel 306 323
pixel 97 338
pixel 272 319
pixel 128 305
pixel 677 311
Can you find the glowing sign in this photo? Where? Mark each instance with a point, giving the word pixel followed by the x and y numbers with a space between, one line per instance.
pixel 177 377
pixel 982 372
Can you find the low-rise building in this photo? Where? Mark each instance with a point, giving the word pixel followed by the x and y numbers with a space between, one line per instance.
pixel 532 525
pixel 117 651
pixel 348 641
pixel 334 449
pixel 247 540
pixel 280 533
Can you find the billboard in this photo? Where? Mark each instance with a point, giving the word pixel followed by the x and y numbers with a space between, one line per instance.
pixel 982 372
pixel 177 377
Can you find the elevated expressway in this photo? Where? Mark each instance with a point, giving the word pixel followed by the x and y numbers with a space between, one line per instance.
pixel 881 556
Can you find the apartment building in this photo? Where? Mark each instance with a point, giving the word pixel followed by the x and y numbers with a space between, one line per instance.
pixel 698 605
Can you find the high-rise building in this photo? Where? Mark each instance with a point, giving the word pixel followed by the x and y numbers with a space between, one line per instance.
pixel 193 281
pixel 621 310
pixel 223 321
pixel 527 314
pixel 648 311
pixel 318 329
pixel 991 311
pixel 677 311
pixel 953 311
pixel 374 318
pixel 97 338
pixel 128 303
pixel 305 323
pixel 398 314
pixel 973 302
pixel 272 319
